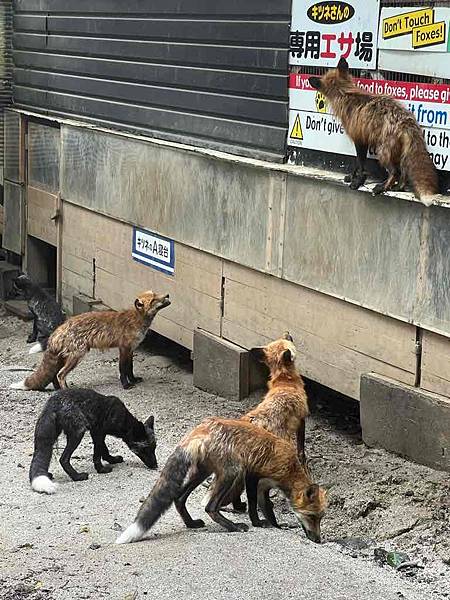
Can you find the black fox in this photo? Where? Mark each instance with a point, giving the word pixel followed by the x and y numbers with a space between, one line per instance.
pixel 76 411
pixel 47 314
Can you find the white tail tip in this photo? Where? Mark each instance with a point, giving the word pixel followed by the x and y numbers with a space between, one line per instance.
pixel 19 385
pixel 43 485
pixel 36 348
pixel 427 200
pixel 133 533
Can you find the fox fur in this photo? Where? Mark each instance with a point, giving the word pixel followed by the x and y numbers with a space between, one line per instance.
pixel 75 411
pixel 123 329
pixel 229 449
pixel 381 123
pixel 47 314
pixel 285 406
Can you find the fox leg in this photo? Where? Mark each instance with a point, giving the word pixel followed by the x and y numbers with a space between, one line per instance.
pixel 73 441
pixel 113 460
pixel 99 443
pixel 127 378
pixel 131 377
pixel 359 175
pixel 251 486
pixel 223 488
pixel 33 335
pixel 301 442
pixel 69 365
pixel 389 183
pixel 180 503
pixel 266 504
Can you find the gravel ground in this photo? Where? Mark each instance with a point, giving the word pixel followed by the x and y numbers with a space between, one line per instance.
pixel 62 547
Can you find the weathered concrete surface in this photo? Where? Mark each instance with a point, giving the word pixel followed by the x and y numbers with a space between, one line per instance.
pixel 405 420
pixel 62 547
pixel 220 367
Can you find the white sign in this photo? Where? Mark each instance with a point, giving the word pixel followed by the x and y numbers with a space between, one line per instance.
pixel 322 32
pixel 153 250
pixel 312 126
pixel 416 29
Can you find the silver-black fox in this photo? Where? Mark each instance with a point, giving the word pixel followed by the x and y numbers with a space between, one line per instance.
pixel 47 314
pixel 75 411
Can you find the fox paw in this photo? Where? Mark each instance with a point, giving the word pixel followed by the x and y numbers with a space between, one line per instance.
pixel 31 338
pixel 262 523
pixel 103 469
pixel 241 527
pixel 81 477
pixel 196 524
pixel 136 380
pixel 378 189
pixel 127 386
pixel 114 460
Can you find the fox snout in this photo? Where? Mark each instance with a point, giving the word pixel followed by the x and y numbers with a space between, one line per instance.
pixel 312 535
pixel 165 301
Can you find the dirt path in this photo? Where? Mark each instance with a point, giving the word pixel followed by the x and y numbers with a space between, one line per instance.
pixel 61 547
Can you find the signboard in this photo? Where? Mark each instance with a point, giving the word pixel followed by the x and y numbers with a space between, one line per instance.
pixel 312 126
pixel 415 29
pixel 153 250
pixel 322 32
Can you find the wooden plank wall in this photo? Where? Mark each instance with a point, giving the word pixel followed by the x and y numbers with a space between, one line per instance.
pixel 41 207
pixel 435 363
pixel 116 278
pixel 337 341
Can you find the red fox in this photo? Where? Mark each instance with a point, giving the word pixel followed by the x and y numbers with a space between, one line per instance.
pixel 68 344
pixel 229 448
pixel 382 123
pixel 283 409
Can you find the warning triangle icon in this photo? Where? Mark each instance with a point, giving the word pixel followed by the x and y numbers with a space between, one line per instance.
pixel 296 132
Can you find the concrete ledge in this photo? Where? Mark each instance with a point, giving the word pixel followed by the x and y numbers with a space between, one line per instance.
pixel 406 420
pixel 83 304
pixel 220 367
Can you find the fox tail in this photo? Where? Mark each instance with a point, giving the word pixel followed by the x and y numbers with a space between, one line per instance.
pixel 419 167
pixel 44 374
pixel 165 491
pixel 45 435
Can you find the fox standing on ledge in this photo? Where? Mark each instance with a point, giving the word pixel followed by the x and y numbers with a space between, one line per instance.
pixel 123 329
pixel 382 123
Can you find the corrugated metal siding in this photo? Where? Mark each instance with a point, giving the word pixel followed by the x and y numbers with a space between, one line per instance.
pixel 206 72
pixel 5 69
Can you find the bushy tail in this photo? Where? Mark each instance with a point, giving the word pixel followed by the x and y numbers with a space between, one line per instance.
pixel 419 167
pixel 44 374
pixel 45 435
pixel 165 491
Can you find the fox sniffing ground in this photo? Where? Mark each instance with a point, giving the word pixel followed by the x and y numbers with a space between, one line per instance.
pixel 381 123
pixel 230 449
pixel 75 411
pixel 124 329
pixel 282 411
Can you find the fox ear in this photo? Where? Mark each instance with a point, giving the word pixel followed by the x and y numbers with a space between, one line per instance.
pixel 287 336
pixel 258 353
pixel 312 492
pixel 150 422
pixel 342 65
pixel 315 82
pixel 138 304
pixel 287 357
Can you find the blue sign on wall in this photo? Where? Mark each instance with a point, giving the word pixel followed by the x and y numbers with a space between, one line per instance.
pixel 153 250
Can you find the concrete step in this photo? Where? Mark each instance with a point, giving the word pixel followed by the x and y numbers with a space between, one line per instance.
pixel 18 308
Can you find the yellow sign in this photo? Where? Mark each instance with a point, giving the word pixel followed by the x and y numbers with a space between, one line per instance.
pixel 429 35
pixel 406 22
pixel 297 132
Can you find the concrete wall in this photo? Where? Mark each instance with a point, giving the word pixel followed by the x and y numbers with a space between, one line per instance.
pixel 385 253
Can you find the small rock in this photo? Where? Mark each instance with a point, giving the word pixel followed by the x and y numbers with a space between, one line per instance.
pixel 84 529
pixel 116 526
pixel 20 465
pixel 142 499
pixel 130 596
pixel 94 546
